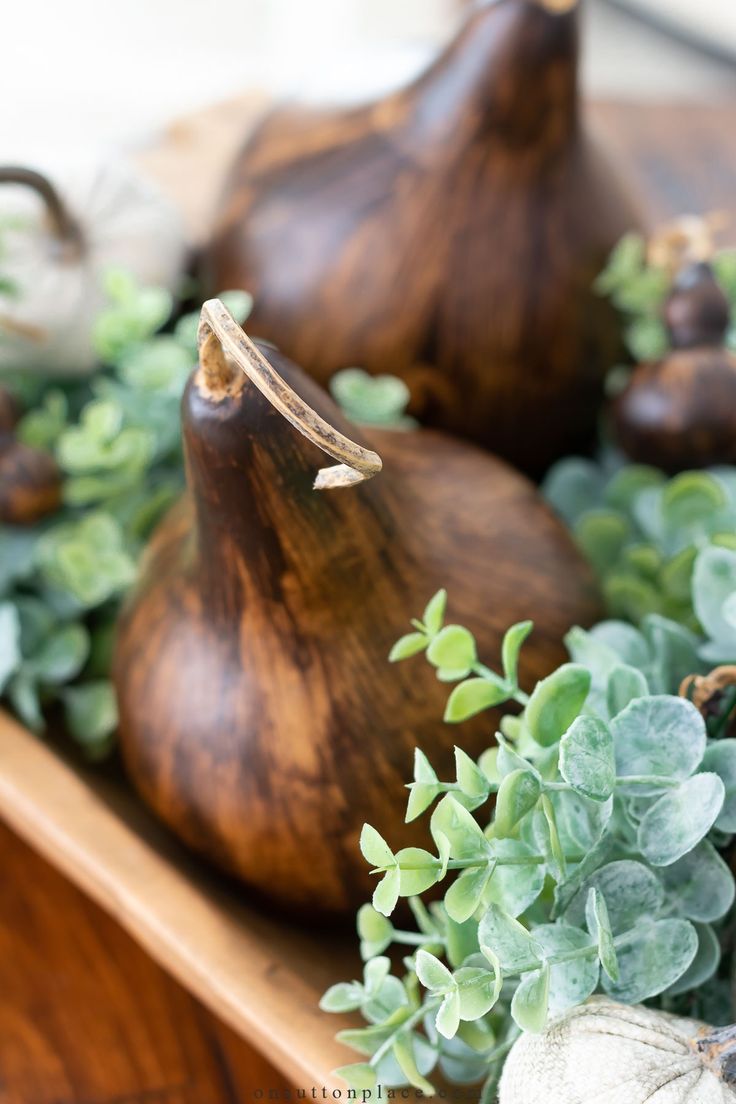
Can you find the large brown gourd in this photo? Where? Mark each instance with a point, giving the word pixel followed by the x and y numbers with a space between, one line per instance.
pixel 448 234
pixel 259 715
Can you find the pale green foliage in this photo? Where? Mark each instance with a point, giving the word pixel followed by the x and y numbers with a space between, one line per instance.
pixel 658 546
pixel 116 439
pixel 372 400
pixel 596 871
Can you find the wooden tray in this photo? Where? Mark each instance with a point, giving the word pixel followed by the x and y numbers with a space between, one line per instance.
pixel 263 978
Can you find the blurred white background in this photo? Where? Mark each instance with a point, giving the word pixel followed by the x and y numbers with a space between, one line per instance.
pixel 87 73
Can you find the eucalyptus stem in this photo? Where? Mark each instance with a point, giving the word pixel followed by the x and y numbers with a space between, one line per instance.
pixel 406 1025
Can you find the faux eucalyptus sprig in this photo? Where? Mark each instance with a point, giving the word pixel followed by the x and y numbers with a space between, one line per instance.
pixel 116 440
pixel 658 545
pixel 598 869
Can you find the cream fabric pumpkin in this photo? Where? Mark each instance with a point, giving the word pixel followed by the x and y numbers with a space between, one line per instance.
pixel 611 1053
pixel 123 222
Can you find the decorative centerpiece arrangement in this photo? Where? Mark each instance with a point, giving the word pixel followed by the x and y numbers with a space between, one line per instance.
pixel 228 608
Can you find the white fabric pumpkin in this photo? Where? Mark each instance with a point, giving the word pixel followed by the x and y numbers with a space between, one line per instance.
pixel 608 1053
pixel 124 222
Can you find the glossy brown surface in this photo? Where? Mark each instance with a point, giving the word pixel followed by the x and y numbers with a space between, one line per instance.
pixel 30 483
pixel 448 234
pixel 680 412
pixel 259 715
pixel 86 1017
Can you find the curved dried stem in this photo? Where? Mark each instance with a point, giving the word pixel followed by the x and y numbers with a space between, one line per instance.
pixel 64 226
pixel 222 343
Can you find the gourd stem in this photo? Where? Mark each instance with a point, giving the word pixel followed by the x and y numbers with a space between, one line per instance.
pixel 63 225
pixel 222 344
pixel 716 1048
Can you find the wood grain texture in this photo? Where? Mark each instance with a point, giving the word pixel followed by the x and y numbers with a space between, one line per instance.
pixel 262 977
pixel 259 715
pixel 87 1017
pixel 448 234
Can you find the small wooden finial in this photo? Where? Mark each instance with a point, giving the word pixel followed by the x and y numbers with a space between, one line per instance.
pixel 224 348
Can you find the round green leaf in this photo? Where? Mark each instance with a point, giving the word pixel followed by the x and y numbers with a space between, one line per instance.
pixel 517 795
pixel 703 966
pixel 653 958
pixel 453 649
pixel 587 759
pixel 474 696
pixel 466 893
pixel 556 702
pixel 680 819
pixel 530 1001
pixel 507 940
pixel 660 735
pixel 700 885
pixel 625 684
pixel 630 890
pixel 720 759
pixel 418 871
pixel 514 888
pixel 572 982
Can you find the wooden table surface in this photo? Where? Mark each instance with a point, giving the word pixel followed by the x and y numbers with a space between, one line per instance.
pixel 85 1015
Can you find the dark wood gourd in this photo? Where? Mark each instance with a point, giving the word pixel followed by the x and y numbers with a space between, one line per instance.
pixel 680 411
pixel 448 234
pixel 258 713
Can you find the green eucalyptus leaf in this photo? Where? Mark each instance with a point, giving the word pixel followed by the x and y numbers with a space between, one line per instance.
pixel 625 684
pixel 510 649
pixel 478 990
pixel 630 889
pixel 652 960
pixel 458 826
pixel 374 849
pixel 572 487
pixel 453 649
pixel 599 926
pixel 408 646
pixel 470 778
pixel 703 966
pixel 662 736
pixel 62 656
pixel 514 888
pixel 386 893
pixel 700 885
pixel 587 758
pixel 359 1076
pixel 504 939
pixel 465 894
pixel 517 796
pixel 473 696
pixel 556 702
pixel 432 973
pixel 418 870
pixel 434 614
pixel 531 999
pixel 404 1053
pixel 720 759
pixel 343 997
pixel 680 819
pixel 375 931
pixel 571 982
pixel 448 1016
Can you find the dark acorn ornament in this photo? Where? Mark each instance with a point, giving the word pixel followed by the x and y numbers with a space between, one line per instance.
pixel 680 412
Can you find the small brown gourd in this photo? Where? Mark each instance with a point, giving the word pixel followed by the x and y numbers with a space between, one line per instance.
pixel 448 234
pixel 258 714
pixel 30 482
pixel 680 412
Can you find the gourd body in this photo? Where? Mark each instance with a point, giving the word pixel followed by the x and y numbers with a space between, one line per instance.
pixel 680 412
pixel 448 234
pixel 259 716
pixel 614 1053
pixel 121 222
